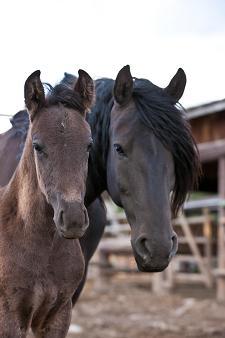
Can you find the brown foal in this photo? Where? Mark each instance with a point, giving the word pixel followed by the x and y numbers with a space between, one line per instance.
pixel 43 206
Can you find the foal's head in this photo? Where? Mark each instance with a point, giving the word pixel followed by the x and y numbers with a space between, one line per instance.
pixel 61 140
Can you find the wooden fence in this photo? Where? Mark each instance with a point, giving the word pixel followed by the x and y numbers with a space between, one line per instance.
pixel 201 254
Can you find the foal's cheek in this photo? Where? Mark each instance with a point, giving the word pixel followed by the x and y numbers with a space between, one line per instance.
pixel 44 176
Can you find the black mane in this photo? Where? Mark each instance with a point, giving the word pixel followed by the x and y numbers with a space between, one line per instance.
pixel 168 122
pixel 159 112
pixel 69 80
pixel 20 125
pixel 99 120
pixel 20 120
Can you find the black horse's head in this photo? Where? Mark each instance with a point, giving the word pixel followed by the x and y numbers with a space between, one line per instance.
pixel 152 163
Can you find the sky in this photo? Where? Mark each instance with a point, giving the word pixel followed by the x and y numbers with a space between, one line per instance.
pixel 155 37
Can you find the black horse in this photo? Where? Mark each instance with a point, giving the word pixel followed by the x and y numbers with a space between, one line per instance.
pixel 11 145
pixel 145 157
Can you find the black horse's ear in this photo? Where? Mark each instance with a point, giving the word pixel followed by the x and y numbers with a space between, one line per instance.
pixel 177 85
pixel 85 88
pixel 123 87
pixel 34 94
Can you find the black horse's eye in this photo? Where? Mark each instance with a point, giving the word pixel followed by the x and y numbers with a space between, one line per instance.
pixel 119 149
pixel 37 147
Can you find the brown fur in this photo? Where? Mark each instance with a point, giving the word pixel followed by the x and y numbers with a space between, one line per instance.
pixel 37 272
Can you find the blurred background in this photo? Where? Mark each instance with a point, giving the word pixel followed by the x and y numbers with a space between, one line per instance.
pixel 155 38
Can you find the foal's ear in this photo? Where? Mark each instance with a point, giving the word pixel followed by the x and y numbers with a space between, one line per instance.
pixel 123 87
pixel 177 85
pixel 34 93
pixel 85 88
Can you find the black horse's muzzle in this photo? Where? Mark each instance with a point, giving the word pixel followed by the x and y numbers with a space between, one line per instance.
pixel 151 257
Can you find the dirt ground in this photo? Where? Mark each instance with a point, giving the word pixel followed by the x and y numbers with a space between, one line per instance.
pixel 124 307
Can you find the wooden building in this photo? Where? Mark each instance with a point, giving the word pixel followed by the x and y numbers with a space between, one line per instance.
pixel 208 127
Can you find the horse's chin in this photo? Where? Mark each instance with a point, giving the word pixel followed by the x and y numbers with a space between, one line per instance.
pixel 68 236
pixel 150 266
pixel 71 235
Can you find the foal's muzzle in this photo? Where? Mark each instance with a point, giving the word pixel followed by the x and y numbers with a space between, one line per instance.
pixel 71 219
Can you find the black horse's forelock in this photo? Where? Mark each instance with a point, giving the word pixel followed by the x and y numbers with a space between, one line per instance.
pixel 62 93
pixel 160 113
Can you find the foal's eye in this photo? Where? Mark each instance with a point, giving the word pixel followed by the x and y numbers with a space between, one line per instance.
pixel 37 147
pixel 89 146
pixel 119 149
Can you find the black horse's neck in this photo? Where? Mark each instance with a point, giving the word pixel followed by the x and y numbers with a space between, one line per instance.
pixel 99 120
pixel 96 183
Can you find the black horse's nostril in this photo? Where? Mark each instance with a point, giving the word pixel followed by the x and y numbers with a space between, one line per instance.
pixel 142 248
pixel 153 255
pixel 147 251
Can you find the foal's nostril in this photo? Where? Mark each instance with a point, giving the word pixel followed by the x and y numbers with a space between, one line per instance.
pixel 86 219
pixel 174 246
pixel 61 218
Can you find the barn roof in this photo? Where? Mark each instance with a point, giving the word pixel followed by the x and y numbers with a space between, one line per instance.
pixel 206 109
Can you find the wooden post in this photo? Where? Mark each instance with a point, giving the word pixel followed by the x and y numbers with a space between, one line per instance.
pixel 207 232
pixel 195 250
pixel 158 286
pixel 169 276
pixel 221 233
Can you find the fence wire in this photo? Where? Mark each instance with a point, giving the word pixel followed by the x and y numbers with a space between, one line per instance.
pixel 6 115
